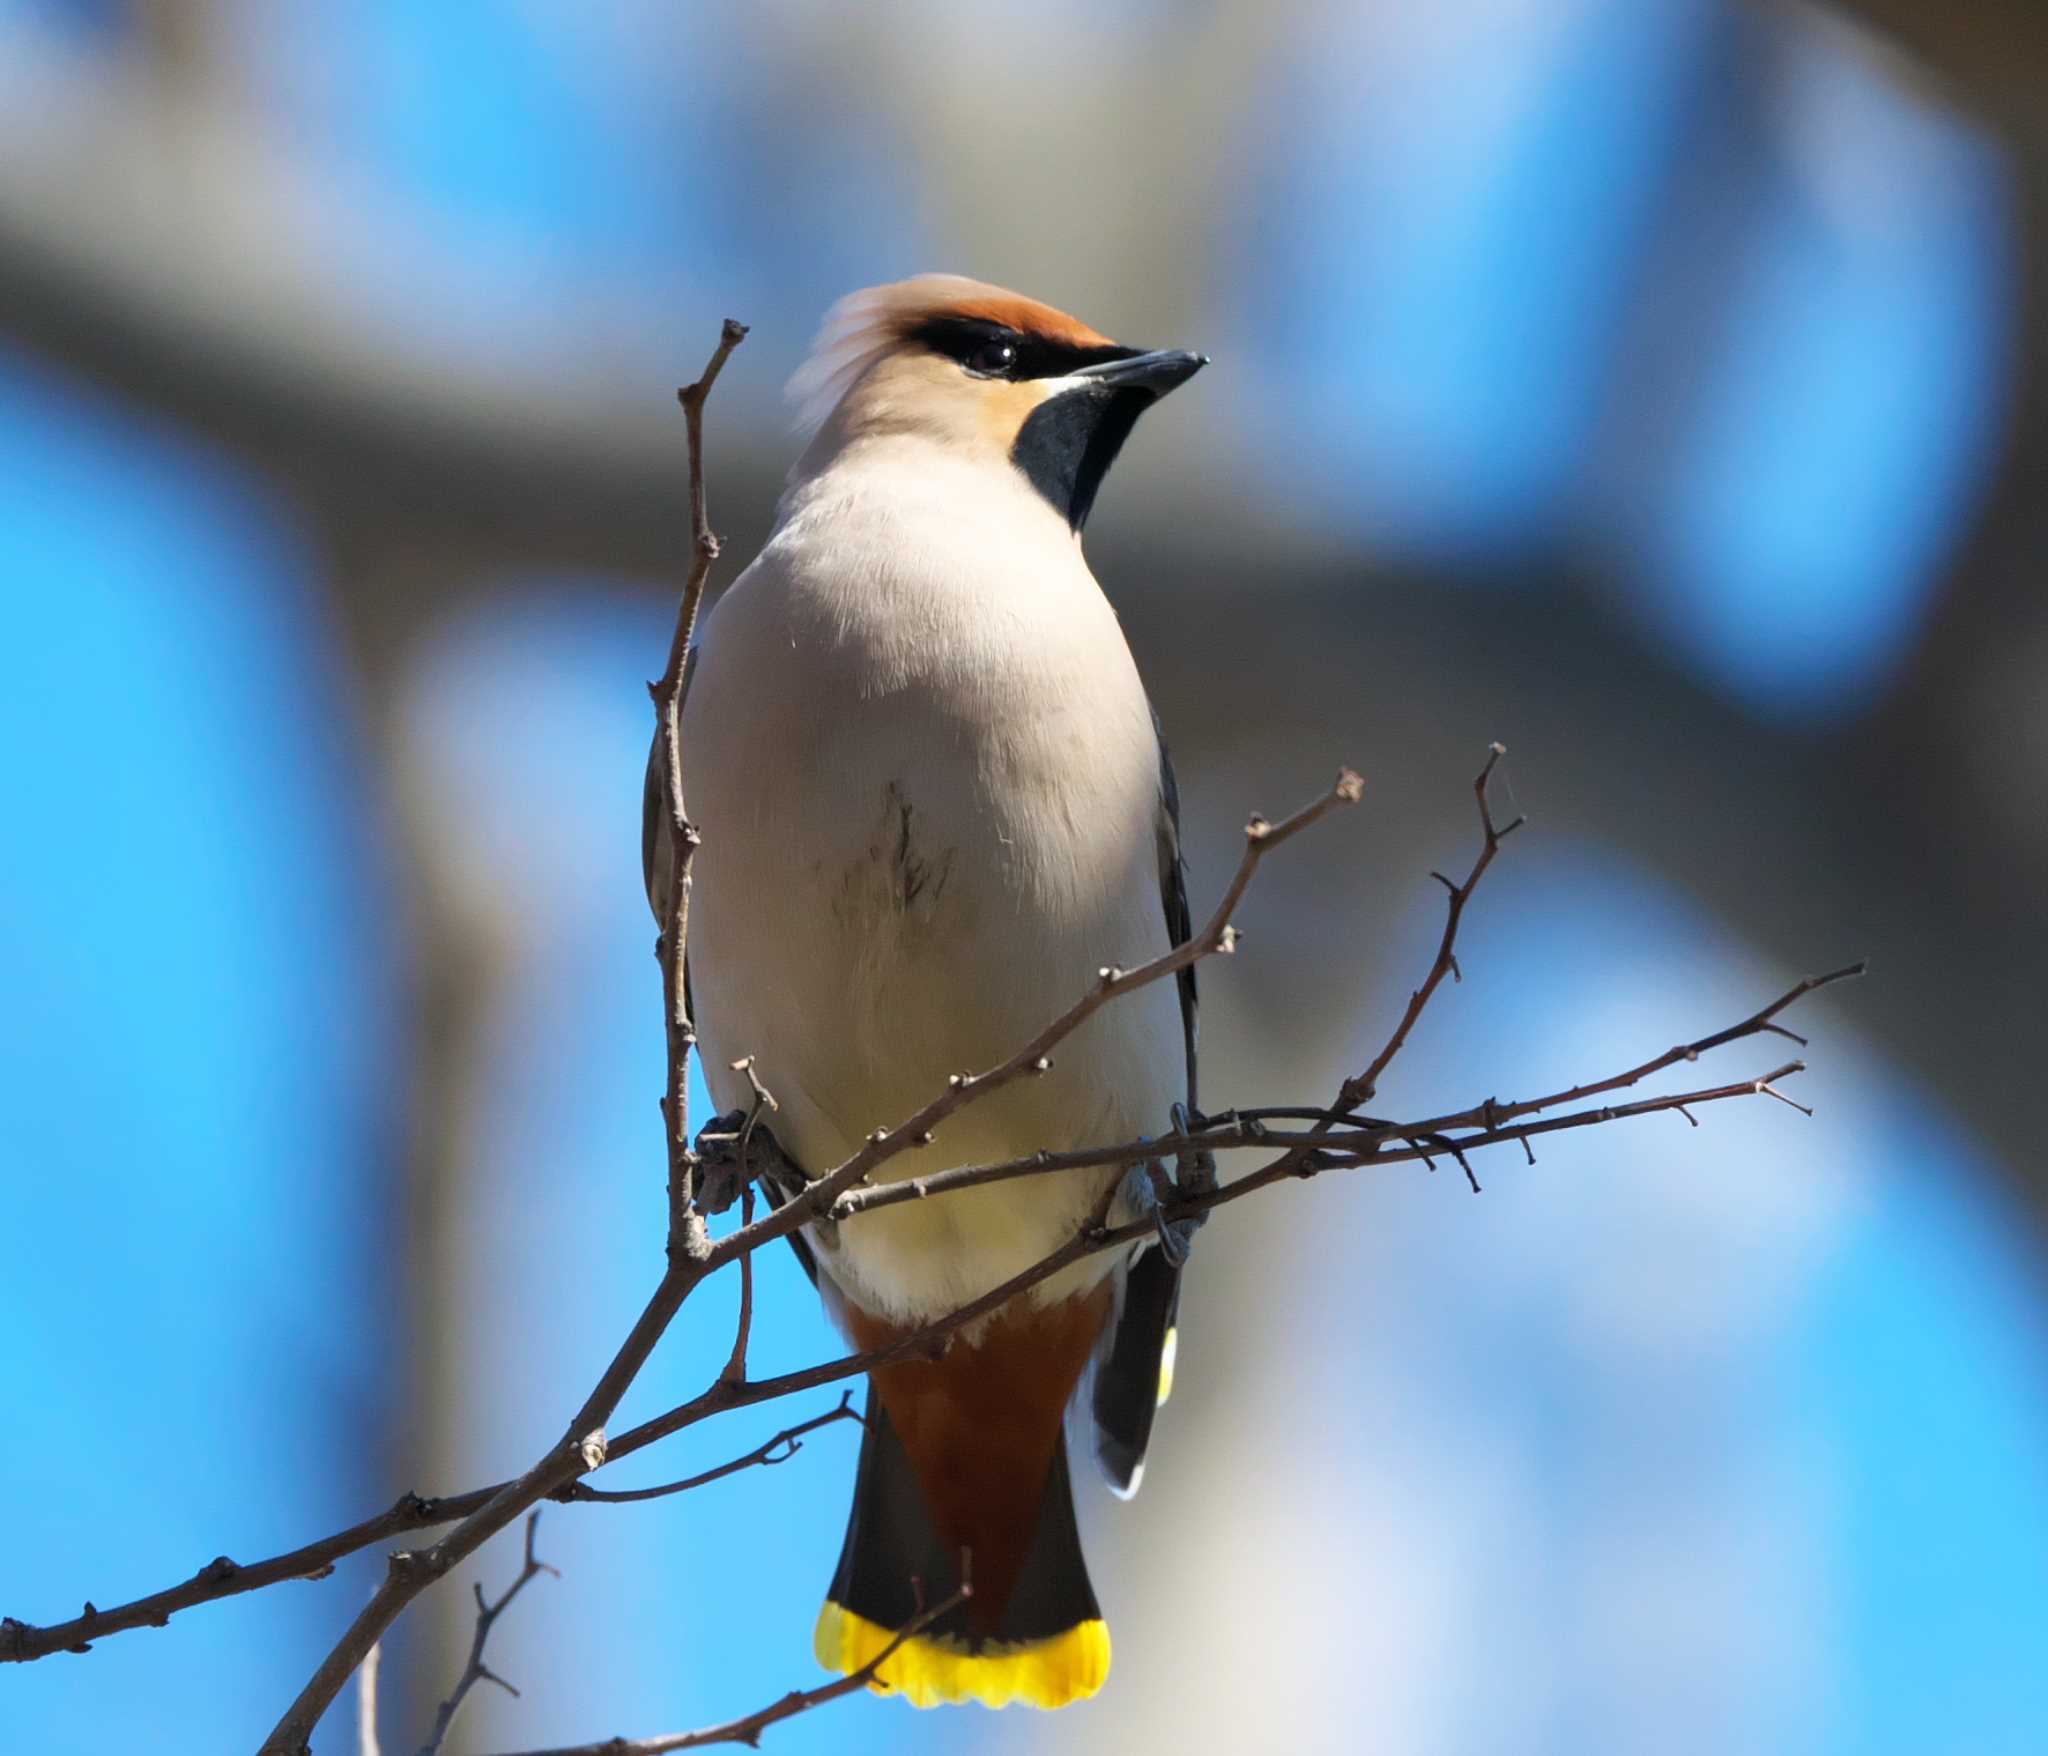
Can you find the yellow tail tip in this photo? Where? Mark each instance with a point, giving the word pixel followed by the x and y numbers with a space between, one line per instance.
pixel 928 1669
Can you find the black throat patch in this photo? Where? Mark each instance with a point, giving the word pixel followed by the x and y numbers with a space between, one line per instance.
pixel 1067 444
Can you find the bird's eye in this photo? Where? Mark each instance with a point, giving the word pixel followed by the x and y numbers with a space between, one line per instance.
pixel 992 359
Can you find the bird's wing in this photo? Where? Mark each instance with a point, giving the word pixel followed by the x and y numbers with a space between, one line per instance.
pixel 1173 893
pixel 657 869
pixel 1135 1374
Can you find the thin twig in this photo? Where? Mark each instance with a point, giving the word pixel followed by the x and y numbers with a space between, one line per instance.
pixel 747 1729
pixel 411 1512
pixel 735 1367
pixel 764 1099
pixel 1306 1160
pixel 222 1577
pixel 487 1614
pixel 686 1227
pixel 1493 1112
pixel 780 1449
pixel 1362 1089
pixel 1339 1125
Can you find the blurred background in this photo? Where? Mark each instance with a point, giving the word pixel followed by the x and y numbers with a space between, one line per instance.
pixel 1658 386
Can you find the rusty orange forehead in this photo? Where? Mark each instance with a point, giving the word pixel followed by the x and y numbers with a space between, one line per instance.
pixel 1014 311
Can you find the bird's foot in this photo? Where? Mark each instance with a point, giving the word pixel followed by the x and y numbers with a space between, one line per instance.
pixel 737 1149
pixel 1151 1188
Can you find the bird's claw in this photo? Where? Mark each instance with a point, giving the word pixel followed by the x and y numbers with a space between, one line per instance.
pixel 731 1154
pixel 1153 1187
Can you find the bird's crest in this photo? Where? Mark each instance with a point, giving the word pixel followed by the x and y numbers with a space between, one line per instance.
pixel 865 325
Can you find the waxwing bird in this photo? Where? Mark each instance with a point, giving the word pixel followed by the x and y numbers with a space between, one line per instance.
pixel 934 802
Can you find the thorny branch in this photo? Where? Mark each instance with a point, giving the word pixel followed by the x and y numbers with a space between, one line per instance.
pixel 487 1613
pixel 582 1446
pixel 1333 1138
pixel 686 1228
pixel 1363 1089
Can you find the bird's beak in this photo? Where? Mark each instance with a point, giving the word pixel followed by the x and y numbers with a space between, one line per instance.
pixel 1155 373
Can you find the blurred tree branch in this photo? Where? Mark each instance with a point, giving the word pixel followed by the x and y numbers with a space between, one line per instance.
pixel 1336 1137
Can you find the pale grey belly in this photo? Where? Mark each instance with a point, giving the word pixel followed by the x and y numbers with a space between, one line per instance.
pixel 864 940
pixel 902 881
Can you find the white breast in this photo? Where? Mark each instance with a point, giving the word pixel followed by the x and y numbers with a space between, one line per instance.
pixel 928 784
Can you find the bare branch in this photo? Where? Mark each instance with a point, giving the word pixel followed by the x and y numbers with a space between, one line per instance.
pixel 780 1449
pixel 412 1512
pixel 686 1228
pixel 1340 1126
pixel 1216 936
pixel 1362 1089
pixel 487 1614
pixel 1336 1157
pixel 764 1099
pixel 582 1446
pixel 735 1367
pixel 747 1729
pixel 221 1577
pixel 1492 1112
pixel 1310 1157
pixel 1771 1091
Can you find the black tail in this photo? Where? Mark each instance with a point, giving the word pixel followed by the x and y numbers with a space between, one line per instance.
pixel 1132 1380
pixel 1045 1643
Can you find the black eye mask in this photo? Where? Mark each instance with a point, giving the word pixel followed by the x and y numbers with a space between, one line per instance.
pixel 977 344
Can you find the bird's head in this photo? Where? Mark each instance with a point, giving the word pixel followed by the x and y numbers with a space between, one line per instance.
pixel 998 377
